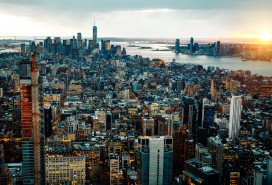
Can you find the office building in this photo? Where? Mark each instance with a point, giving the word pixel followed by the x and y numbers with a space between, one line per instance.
pixel 47 45
pixel 235 117
pixel 95 34
pixel 215 90
pixel 79 40
pixel 216 149
pixel 65 168
pixel 48 119
pixel 5 174
pixel 197 172
pixel 177 49
pixel 108 120
pixel 189 115
pixel 218 48
pixel 74 43
pixel 114 170
pixel 91 44
pixel 154 160
pixel 118 50
pixel 107 45
pixel 178 150
pixel 192 45
pixel 148 126
pixel 269 170
pixel 208 111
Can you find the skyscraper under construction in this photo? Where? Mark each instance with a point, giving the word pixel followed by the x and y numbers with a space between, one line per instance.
pixel 30 123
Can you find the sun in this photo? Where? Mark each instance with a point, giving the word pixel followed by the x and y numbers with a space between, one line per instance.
pixel 263 37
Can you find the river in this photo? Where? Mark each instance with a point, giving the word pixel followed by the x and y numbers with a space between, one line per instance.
pixel 230 63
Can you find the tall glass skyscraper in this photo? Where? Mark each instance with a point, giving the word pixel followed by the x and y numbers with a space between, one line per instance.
pixel 95 34
pixel 154 160
pixel 191 44
pixel 235 116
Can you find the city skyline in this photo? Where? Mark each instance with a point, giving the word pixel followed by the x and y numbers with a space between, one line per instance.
pixel 123 92
pixel 243 19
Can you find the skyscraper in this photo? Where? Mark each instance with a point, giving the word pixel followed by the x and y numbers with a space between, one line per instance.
pixel 235 116
pixel 108 120
pixel 177 46
pixel 47 119
pixel 107 45
pixel 216 150
pixel 30 126
pixel 47 44
pixel 79 40
pixel 74 43
pixel 95 34
pixel 114 170
pixel 5 174
pixel 154 160
pixel 218 48
pixel 269 170
pixel 191 44
pixel 208 111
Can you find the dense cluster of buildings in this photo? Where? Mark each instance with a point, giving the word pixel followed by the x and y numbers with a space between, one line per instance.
pixel 262 52
pixel 88 113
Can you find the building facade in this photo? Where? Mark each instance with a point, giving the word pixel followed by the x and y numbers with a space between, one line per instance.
pixel 235 116
pixel 154 160
pixel 65 169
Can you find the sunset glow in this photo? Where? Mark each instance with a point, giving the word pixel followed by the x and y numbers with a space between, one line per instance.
pixel 263 37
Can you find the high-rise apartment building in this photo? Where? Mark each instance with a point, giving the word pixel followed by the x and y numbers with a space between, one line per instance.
pixel 154 160
pixel 235 116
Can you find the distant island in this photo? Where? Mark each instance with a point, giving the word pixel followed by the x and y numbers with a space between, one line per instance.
pixel 133 46
pixel 145 48
pixel 161 50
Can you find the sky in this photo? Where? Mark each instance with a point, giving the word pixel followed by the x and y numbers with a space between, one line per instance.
pixel 136 18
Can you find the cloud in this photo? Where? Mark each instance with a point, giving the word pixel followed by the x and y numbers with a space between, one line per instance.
pixel 141 18
pixel 109 5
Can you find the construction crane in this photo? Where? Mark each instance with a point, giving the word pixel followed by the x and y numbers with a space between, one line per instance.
pixel 34 110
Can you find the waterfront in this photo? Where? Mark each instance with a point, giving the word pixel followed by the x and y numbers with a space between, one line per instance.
pixel 230 63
